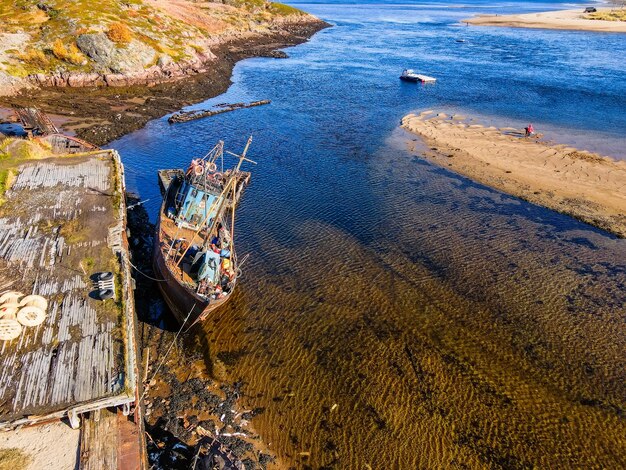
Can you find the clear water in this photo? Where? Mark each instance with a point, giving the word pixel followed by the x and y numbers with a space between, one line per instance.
pixel 452 325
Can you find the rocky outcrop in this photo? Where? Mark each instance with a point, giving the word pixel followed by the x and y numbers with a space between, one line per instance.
pixel 111 43
pixel 10 85
pixel 109 56
pixel 130 65
pixel 165 70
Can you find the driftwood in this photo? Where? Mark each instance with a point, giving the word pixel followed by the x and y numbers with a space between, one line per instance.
pixel 184 116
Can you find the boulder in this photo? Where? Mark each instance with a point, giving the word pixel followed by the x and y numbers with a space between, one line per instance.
pixel 164 61
pixel 98 47
pixel 10 85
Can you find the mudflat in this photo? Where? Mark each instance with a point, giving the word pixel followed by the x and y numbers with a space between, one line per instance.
pixel 562 19
pixel 587 186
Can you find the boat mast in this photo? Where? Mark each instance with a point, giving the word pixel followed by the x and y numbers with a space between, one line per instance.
pixel 242 157
pixel 232 227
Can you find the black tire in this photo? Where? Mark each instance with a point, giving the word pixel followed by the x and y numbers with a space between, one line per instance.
pixel 105 294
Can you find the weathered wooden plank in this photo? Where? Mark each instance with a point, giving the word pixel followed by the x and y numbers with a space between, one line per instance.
pixel 96 451
pixel 70 358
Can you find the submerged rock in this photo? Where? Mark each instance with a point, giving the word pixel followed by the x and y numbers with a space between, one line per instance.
pixel 275 54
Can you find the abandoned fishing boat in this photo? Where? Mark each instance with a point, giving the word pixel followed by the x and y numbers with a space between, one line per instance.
pixel 194 252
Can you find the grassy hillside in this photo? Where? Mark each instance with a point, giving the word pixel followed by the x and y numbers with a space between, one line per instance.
pixel 109 35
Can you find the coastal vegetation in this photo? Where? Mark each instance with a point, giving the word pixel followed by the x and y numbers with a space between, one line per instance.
pixel 609 15
pixel 111 36
pixel 14 459
pixel 14 151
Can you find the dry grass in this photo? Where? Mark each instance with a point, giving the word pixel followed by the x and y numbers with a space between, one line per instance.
pixel 73 231
pixel 35 57
pixel 284 10
pixel 21 149
pixel 70 54
pixel 119 33
pixel 14 459
pixel 13 152
pixel 612 15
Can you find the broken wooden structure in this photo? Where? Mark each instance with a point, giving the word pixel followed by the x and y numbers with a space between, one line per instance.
pixel 65 144
pixel 35 122
pixel 185 116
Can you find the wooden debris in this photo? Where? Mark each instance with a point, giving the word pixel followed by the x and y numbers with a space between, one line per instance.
pixel 185 116
pixel 35 122
pixel 65 144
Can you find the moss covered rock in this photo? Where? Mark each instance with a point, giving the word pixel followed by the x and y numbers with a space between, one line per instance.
pixel 116 58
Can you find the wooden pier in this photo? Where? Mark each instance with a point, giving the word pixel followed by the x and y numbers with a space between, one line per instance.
pixel 63 220
pixel 65 144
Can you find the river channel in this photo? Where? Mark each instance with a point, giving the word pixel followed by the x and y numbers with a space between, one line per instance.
pixel 393 314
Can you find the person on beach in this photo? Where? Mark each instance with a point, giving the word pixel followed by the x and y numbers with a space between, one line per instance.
pixel 530 130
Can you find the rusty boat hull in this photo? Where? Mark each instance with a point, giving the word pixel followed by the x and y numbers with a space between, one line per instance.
pixel 183 302
pixel 198 204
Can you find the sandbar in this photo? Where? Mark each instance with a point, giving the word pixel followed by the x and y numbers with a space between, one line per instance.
pixel 562 19
pixel 585 185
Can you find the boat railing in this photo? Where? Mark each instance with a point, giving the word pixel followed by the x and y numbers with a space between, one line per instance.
pixel 206 183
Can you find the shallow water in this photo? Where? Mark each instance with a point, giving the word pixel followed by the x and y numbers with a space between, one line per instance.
pixel 452 325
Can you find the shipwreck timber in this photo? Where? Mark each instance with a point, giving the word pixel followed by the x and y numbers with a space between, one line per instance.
pixel 35 122
pixel 185 116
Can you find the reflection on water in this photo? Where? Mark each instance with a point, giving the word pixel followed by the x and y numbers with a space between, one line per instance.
pixel 393 314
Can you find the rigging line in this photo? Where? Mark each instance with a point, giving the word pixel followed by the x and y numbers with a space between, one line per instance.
pixel 168 351
pixel 245 258
pixel 144 274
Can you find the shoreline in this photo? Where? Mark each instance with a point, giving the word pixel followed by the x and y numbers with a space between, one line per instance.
pixel 103 114
pixel 559 19
pixel 581 184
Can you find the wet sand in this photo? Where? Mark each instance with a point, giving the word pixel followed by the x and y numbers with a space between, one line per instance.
pixel 562 19
pixel 587 186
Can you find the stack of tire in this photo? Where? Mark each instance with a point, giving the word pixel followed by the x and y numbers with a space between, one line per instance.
pixel 16 314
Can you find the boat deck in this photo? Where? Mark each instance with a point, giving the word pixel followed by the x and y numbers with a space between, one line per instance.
pixel 170 231
pixel 62 221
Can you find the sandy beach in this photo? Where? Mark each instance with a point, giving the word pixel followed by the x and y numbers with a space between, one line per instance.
pixel 584 185
pixel 563 19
